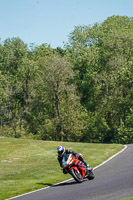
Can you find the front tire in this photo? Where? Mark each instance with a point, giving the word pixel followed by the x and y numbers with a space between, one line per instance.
pixel 76 175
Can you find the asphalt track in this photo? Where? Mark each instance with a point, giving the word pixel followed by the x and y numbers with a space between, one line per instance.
pixel 113 181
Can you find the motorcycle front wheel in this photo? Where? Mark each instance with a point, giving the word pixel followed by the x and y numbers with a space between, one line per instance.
pixel 76 175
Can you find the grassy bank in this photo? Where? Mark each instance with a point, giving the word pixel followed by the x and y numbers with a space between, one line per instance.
pixel 27 165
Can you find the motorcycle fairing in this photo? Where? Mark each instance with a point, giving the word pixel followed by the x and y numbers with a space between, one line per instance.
pixel 81 166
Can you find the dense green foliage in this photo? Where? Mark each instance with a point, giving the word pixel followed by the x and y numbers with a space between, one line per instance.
pixel 83 92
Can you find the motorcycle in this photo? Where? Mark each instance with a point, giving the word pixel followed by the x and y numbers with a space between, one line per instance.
pixel 76 168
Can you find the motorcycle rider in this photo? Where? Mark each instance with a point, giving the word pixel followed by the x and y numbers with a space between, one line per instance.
pixel 62 151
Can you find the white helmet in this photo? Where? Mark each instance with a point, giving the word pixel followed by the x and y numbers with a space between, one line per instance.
pixel 61 150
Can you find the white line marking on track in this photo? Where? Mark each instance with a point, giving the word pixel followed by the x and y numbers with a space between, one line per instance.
pixel 125 146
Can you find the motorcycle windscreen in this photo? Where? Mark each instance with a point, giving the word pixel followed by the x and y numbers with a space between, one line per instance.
pixel 66 157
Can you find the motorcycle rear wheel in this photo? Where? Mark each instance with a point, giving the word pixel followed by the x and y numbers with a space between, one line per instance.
pixel 76 175
pixel 91 175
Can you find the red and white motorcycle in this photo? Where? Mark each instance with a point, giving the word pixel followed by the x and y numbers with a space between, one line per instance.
pixel 76 168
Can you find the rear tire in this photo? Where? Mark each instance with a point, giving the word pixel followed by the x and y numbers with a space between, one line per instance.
pixel 91 175
pixel 76 175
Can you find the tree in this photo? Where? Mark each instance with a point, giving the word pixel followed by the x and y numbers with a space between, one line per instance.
pixel 18 70
pixel 101 57
pixel 62 98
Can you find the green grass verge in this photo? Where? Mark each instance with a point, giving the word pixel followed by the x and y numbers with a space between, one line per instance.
pixel 27 165
pixel 129 198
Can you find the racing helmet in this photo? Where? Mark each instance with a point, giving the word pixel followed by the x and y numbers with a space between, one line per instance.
pixel 61 150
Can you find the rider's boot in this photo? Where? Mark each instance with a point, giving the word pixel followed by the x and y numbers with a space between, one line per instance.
pixel 87 166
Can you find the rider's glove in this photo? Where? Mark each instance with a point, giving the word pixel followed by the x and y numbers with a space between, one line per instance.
pixel 79 155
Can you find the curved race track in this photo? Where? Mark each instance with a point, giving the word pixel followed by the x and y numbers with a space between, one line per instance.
pixel 114 181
